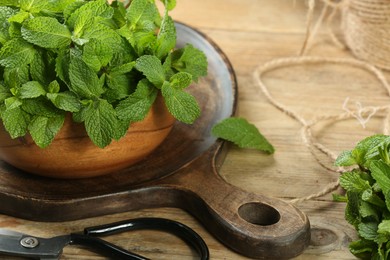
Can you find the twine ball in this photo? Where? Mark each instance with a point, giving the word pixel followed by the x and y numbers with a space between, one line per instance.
pixel 366 26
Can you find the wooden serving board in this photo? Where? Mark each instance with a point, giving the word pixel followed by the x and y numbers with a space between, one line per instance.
pixel 182 172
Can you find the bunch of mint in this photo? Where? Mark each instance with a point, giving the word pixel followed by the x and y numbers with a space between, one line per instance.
pixel 368 196
pixel 103 63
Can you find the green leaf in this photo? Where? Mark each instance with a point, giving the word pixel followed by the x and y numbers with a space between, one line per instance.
pixel 62 66
pixel 83 21
pixel 242 133
pixel 191 60
pixel 98 8
pixel 169 71
pixel 59 6
pixel 16 53
pixel 152 69
pixel 120 86
pixel 383 150
pixel 339 198
pixel 5 14
pixel 84 80
pixel 12 80
pixel 15 122
pixel 345 159
pixel 354 181
pixel 4 93
pixel 380 171
pixel 373 198
pixel 97 54
pixel 44 129
pixel 46 32
pixel 142 15
pixel 31 89
pixel 54 87
pixel 368 230
pixel 181 80
pixel 100 123
pixel 183 106
pixel 71 8
pixel 384 227
pixel 12 102
pixel 169 4
pixel 121 129
pixel 65 101
pixel 123 53
pixel 9 3
pixel 352 214
pixel 368 211
pixel 166 38
pixel 362 248
pixel 15 30
pixel 33 6
pixel 387 198
pixel 122 69
pixel 119 13
pixel 79 117
pixel 19 17
pixel 104 34
pixel 40 106
pixel 137 105
pixel 42 67
pixel 141 40
pixel 367 149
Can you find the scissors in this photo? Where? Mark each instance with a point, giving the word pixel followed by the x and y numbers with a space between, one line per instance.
pixel 18 244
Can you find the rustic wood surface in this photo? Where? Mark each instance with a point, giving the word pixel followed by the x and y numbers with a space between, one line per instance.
pixel 252 32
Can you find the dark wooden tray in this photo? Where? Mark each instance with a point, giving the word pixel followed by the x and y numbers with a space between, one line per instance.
pixel 182 172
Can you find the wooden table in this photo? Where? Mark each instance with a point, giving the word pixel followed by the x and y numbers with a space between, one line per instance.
pixel 251 33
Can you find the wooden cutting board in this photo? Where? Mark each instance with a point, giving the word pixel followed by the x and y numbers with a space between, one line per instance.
pixel 182 172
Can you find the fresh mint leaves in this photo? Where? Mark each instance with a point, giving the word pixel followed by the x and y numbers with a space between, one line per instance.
pixel 101 122
pixel 44 129
pixel 16 53
pixel 368 196
pixel 242 133
pixel 46 32
pixel 103 63
pixel 152 69
pixel 180 104
pixel 135 107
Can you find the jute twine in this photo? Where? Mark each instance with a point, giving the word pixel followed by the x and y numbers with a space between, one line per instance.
pixel 366 22
pixel 367 30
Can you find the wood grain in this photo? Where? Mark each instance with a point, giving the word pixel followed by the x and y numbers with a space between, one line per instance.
pixel 252 32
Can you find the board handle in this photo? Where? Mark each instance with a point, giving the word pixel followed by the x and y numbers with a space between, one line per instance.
pixel 253 225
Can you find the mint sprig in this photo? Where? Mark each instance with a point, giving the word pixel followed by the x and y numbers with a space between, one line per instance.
pixel 101 122
pixel 46 32
pixel 44 129
pixel 101 62
pixel 368 196
pixel 242 133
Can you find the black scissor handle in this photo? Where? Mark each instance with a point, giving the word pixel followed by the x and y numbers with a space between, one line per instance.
pixel 91 234
pixel 104 247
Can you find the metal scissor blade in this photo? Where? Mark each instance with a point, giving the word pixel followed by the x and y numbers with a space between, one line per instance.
pixel 19 244
pixel 9 241
pixel 10 233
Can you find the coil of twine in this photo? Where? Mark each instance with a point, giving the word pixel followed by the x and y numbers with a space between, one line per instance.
pixel 366 28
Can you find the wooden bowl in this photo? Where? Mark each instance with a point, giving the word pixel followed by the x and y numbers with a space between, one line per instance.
pixel 73 155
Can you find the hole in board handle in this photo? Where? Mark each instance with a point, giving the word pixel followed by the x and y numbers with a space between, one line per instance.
pixel 259 214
